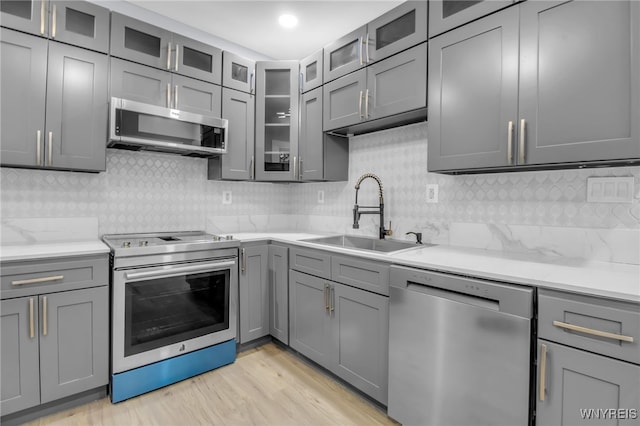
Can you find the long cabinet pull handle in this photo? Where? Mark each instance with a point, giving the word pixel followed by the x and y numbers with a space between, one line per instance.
pixel 43 12
pixel 295 167
pixel 252 81
pixel 366 104
pixel 510 143
pixel 54 24
pixel 175 97
pixel 38 148
pixel 300 82
pixel 32 333
pixel 299 168
pixel 366 47
pixel 360 104
pixel 523 127
pixel 593 332
pixel 332 296
pixel 243 260
pixel 50 149
pixel 38 280
pixel 168 95
pixel 326 297
pixel 543 371
pixel 361 53
pixel 169 56
pixel 44 316
pixel 177 56
pixel 251 167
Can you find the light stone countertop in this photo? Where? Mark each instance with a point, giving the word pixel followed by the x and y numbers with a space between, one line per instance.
pixel 611 280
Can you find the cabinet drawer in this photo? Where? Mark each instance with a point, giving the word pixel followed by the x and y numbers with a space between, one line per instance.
pixel 26 278
pixel 361 274
pixel 312 262
pixel 597 325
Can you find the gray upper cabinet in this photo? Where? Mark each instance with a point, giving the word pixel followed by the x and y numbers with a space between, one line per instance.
pixel 579 88
pixel 140 42
pixel 238 73
pixel 445 15
pixel 20 369
pixel 321 156
pixel 196 96
pixel 239 161
pixel 395 85
pixel 345 55
pixel 473 94
pixel 77 109
pixel 140 83
pixel 254 292
pixel 67 130
pixel 23 77
pixel 277 121
pixel 31 16
pixel 79 23
pixel 542 115
pixel 279 292
pixel 400 28
pixel 311 72
pixel 197 60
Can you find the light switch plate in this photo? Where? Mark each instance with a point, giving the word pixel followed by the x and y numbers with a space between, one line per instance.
pixel 321 197
pixel 227 197
pixel 618 189
pixel 432 193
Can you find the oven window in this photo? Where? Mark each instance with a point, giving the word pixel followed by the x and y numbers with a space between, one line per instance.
pixel 163 311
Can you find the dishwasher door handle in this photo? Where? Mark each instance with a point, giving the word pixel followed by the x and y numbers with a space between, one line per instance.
pixel 467 299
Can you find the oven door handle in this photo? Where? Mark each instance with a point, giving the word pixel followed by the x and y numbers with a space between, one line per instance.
pixel 175 271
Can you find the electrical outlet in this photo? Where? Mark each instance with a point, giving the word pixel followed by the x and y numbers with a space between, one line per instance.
pixel 320 197
pixel 227 197
pixel 432 193
pixel 617 189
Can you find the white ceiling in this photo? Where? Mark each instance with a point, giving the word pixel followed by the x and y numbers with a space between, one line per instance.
pixel 254 24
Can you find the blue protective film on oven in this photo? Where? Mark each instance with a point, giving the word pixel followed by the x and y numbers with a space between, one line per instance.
pixel 154 376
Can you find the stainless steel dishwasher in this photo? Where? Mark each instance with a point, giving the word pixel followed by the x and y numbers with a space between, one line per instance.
pixel 459 350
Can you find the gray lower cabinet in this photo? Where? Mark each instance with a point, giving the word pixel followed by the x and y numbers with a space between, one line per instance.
pixel 55 114
pixel 53 346
pixel 344 329
pixel 532 86
pixel 321 156
pixel 389 87
pixel 279 292
pixel 254 292
pixel 238 163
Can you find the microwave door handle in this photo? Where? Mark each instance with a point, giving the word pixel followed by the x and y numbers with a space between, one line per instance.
pixel 175 271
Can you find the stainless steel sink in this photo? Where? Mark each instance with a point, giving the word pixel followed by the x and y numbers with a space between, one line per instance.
pixel 363 243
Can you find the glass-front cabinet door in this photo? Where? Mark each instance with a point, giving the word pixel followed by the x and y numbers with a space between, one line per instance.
pixel 445 15
pixel 277 121
pixel 345 55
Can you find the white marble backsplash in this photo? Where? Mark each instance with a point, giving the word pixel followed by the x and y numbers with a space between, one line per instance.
pixel 543 212
pixel 16 231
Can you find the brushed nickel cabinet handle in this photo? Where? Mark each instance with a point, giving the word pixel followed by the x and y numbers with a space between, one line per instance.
pixel 175 97
pixel 360 53
pixel 366 105
pixel 50 148
pixel 44 316
pixel 523 126
pixel 177 56
pixel 168 95
pixel 169 56
pixel 299 168
pixel 32 333
pixel 326 297
pixel 38 280
pixel 543 371
pixel 251 167
pixel 252 81
pixel 332 296
pixel 510 143
pixel 38 149
pixel 360 105
pixel 295 166
pixel 593 332
pixel 243 261
pixel 43 11
pixel 54 24
pixel 366 47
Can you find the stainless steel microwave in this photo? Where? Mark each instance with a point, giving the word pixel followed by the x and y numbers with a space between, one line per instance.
pixel 139 126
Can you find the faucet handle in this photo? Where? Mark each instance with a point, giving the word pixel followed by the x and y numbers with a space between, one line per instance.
pixel 388 232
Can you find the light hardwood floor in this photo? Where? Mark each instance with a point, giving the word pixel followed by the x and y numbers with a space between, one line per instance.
pixel 265 386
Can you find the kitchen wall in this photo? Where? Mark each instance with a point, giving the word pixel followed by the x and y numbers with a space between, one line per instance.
pixel 543 212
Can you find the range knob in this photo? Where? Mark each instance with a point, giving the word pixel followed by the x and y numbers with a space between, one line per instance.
pixel 126 244
pixel 229 237
pixel 143 243
pixel 217 238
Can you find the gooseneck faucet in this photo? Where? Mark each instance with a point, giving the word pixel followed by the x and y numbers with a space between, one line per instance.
pixel 358 210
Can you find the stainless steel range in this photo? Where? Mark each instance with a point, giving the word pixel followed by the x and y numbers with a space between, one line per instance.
pixel 174 308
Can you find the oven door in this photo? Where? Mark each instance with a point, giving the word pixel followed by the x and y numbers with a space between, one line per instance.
pixel 163 311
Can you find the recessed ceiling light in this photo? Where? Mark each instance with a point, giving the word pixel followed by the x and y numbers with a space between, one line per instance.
pixel 288 21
